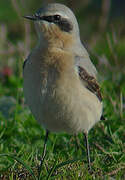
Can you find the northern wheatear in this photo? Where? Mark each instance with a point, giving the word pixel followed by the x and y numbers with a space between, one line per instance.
pixel 60 83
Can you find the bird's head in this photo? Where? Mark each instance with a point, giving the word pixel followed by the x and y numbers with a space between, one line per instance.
pixel 56 22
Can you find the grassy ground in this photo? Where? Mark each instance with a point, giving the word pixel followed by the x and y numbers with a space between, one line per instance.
pixel 22 138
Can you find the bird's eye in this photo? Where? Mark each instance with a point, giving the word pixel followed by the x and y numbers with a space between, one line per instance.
pixel 57 18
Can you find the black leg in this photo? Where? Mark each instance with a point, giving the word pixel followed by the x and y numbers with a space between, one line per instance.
pixel 43 154
pixel 87 150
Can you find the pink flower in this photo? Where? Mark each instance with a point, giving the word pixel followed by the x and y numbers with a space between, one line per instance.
pixel 6 71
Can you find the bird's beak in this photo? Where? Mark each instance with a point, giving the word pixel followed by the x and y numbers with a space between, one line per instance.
pixel 31 17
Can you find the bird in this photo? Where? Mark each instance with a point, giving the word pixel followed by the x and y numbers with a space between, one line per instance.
pixel 60 80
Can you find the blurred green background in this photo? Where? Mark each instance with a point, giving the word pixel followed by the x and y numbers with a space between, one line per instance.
pixel 102 30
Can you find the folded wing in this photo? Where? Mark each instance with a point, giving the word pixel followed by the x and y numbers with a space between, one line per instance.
pixel 90 82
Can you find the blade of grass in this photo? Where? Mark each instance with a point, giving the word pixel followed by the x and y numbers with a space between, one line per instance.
pixel 68 162
pixel 52 170
pixel 56 166
pixel 21 162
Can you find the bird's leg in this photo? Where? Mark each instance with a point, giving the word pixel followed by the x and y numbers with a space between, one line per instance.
pixel 43 154
pixel 87 150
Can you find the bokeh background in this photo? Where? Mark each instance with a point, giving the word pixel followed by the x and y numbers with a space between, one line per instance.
pixel 102 30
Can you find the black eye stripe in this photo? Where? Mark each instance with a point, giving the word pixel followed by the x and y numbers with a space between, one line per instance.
pixel 48 18
pixel 63 24
pixel 53 19
pixel 57 17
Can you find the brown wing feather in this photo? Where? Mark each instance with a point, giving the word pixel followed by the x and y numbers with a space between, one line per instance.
pixel 90 82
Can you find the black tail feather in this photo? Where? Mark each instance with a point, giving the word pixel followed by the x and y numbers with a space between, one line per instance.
pixel 102 117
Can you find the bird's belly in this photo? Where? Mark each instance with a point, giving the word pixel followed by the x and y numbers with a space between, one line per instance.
pixel 68 108
pixel 68 112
